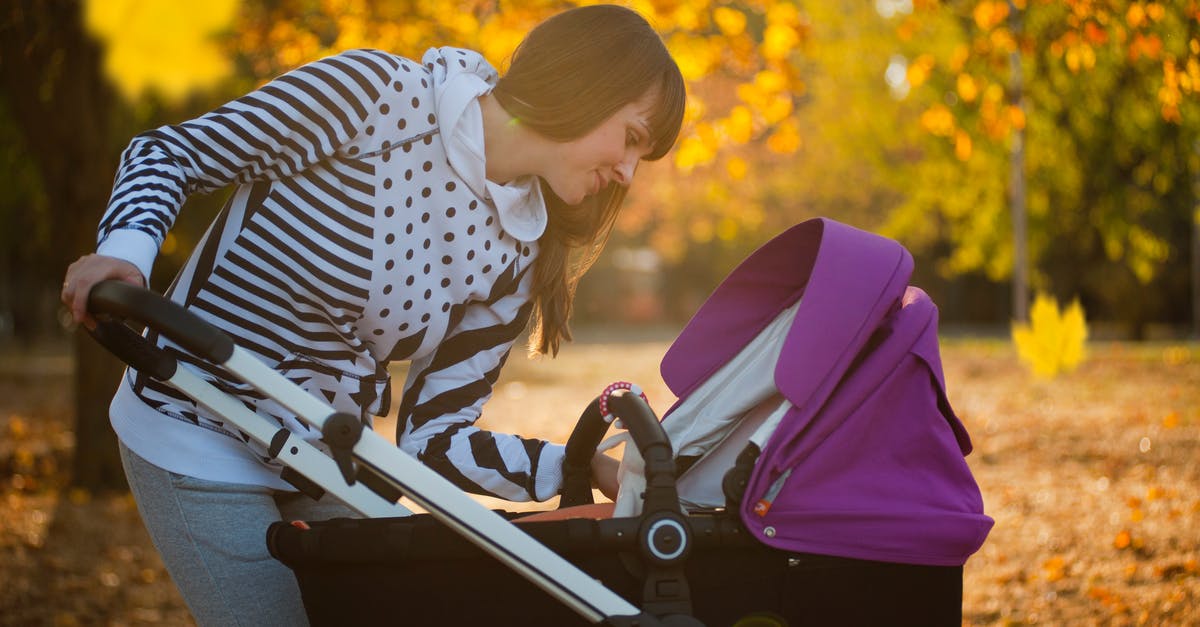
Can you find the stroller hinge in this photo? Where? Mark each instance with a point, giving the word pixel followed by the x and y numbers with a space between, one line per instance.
pixel 341 432
pixel 305 485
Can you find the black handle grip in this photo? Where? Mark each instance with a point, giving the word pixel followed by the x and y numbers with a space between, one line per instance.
pixel 577 465
pixel 127 302
pixel 648 435
pixel 652 441
pixel 639 419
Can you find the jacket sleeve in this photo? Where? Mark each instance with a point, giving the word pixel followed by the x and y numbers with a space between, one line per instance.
pixel 444 396
pixel 282 128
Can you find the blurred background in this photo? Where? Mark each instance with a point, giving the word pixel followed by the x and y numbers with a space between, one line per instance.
pixel 1011 146
pixel 1039 158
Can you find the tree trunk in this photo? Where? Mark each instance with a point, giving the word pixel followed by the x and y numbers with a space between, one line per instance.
pixel 50 72
pixel 1016 185
pixel 97 464
pixel 1196 247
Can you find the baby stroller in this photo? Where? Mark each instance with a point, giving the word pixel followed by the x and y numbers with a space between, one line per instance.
pixel 834 492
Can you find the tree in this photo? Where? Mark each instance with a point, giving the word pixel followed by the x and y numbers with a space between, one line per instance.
pixel 58 99
pixel 1110 116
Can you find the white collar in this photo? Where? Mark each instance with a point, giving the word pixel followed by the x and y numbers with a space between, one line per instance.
pixel 460 78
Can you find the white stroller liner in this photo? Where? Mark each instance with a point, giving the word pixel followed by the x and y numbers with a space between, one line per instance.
pixel 736 405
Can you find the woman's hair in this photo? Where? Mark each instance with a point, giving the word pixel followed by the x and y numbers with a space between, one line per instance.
pixel 570 74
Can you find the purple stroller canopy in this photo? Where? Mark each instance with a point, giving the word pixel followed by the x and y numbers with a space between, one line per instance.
pixel 869 463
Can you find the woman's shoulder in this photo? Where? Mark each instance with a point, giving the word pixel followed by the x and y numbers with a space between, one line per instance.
pixel 380 67
pixel 395 62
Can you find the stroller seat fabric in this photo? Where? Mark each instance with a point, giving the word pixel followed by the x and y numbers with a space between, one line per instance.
pixel 868 462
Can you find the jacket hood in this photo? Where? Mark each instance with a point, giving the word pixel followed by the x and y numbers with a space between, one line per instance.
pixel 460 77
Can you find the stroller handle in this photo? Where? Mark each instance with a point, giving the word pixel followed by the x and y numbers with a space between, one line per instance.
pixel 648 435
pixel 119 301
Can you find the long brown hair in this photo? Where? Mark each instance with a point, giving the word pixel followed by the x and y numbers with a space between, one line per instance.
pixel 571 73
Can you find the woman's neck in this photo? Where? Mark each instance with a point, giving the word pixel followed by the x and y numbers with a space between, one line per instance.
pixel 509 148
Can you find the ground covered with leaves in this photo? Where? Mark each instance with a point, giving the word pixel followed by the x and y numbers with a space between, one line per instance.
pixel 1093 479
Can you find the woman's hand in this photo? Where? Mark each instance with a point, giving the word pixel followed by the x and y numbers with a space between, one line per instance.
pixel 604 475
pixel 85 273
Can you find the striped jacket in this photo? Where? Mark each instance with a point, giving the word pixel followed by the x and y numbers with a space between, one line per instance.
pixel 362 230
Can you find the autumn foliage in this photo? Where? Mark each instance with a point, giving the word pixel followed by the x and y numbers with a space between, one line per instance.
pixel 899 116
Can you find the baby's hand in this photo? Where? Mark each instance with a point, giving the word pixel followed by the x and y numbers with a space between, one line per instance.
pixel 604 475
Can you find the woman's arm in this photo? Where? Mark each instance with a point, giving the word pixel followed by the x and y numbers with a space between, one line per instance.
pixel 444 396
pixel 282 128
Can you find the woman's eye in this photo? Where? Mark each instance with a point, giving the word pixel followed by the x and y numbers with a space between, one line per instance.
pixel 631 139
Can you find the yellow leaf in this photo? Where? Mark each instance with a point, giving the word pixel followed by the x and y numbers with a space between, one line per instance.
pixel 938 120
pixel 1136 15
pixel 1052 342
pixel 1074 332
pixel 777 109
pixel 785 139
pixel 731 21
pixel 162 47
pixel 783 13
pixel 959 57
pixel 692 152
pixel 993 93
pixel 770 81
pixel 918 71
pixel 962 145
pixel 694 55
pixel 737 168
pixel 1016 117
pixel 778 42
pixel 967 89
pixel 1072 58
pixel 989 14
pixel 685 17
pixel 1087 56
pixel 740 124
pixel 751 94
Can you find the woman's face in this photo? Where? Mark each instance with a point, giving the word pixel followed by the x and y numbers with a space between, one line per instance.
pixel 606 155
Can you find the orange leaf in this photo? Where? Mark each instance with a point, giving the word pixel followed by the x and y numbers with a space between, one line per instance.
pixel 1123 540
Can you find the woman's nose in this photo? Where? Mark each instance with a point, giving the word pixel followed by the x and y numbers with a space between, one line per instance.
pixel 625 169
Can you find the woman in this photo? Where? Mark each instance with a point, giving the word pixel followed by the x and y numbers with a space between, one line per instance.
pixel 385 210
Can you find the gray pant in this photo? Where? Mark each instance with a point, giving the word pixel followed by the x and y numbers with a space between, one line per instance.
pixel 212 538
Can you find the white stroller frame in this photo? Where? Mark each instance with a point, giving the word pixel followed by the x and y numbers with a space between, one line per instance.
pixel 351 444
